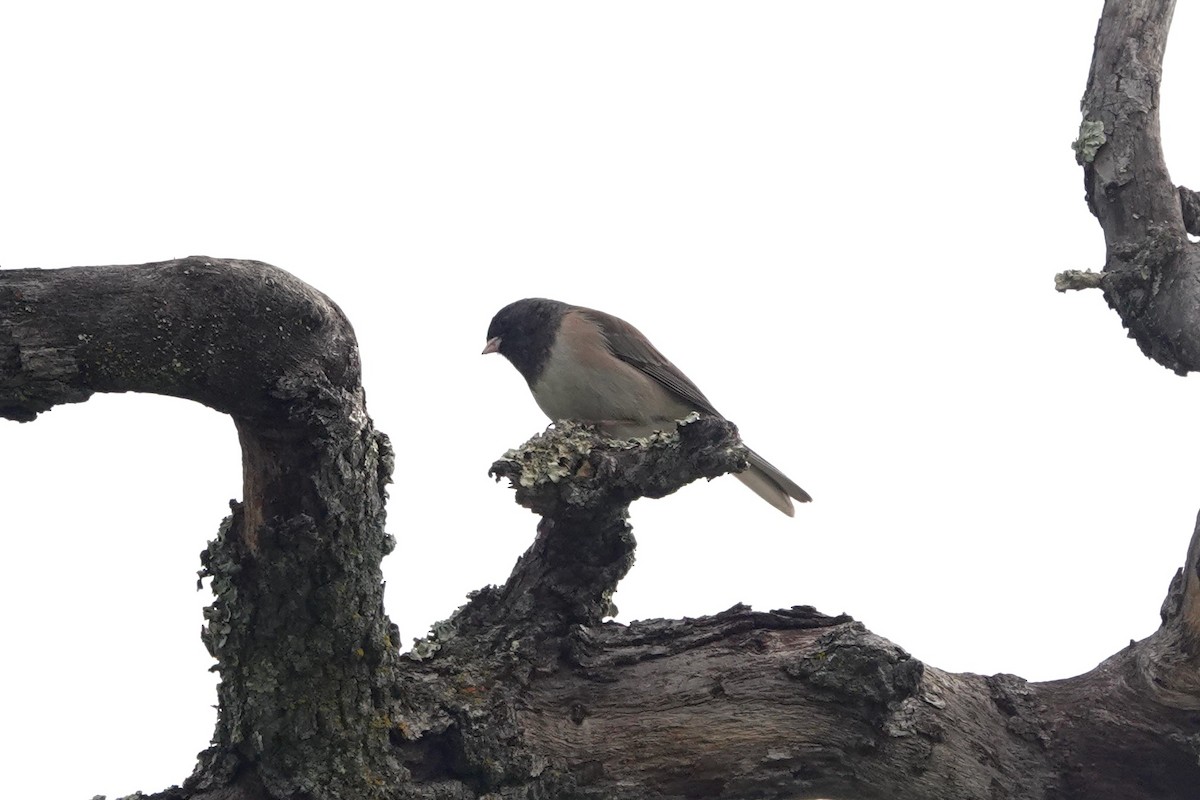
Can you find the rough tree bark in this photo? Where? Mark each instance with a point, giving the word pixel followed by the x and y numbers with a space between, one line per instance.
pixel 525 692
pixel 1151 269
pixel 297 626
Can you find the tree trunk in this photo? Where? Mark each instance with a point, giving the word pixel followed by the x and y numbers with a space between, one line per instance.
pixel 525 692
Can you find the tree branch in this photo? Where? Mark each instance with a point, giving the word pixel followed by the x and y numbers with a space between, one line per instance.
pixel 1077 280
pixel 525 692
pixel 1152 271
pixel 1128 188
pixel 581 483
pixel 1152 274
pixel 297 627
pixel 744 704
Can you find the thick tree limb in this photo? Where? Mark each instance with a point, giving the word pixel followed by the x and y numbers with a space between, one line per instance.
pixel 1129 189
pixel 582 484
pixel 173 328
pixel 297 627
pixel 747 704
pixel 1152 271
pixel 525 692
pixel 1152 274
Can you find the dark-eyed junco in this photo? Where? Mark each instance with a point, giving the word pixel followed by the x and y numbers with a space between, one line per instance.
pixel 589 366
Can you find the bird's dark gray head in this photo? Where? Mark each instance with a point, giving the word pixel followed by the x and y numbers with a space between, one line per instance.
pixel 524 331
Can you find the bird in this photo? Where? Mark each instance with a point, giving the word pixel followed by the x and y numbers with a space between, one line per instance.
pixel 589 366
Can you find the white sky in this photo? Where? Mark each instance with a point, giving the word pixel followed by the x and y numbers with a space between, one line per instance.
pixel 881 192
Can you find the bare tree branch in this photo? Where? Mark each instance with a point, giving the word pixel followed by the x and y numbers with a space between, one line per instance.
pixel 746 704
pixel 1152 276
pixel 1077 280
pixel 1129 189
pixel 1151 270
pixel 525 692
pixel 303 647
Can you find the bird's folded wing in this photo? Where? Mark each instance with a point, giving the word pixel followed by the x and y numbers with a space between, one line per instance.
pixel 628 344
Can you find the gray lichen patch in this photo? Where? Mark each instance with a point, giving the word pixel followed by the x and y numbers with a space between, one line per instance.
pixel 554 455
pixel 1091 138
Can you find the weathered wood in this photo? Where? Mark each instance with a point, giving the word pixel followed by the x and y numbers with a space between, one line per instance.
pixel 303 647
pixel 1152 271
pixel 1152 274
pixel 526 692
pixel 747 704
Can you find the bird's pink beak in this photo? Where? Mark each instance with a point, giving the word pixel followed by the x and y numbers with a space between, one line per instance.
pixel 493 346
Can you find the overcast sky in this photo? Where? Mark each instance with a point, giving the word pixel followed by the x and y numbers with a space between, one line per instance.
pixel 881 192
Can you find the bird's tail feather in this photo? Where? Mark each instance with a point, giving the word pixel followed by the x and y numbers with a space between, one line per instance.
pixel 772 485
